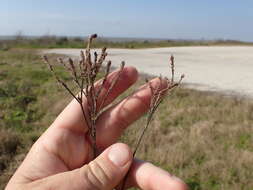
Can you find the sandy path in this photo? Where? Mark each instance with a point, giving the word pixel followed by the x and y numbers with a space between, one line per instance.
pixel 225 69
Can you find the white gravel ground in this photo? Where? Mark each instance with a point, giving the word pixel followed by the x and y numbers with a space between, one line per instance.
pixel 225 69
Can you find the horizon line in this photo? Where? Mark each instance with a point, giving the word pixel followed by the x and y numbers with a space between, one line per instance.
pixel 202 39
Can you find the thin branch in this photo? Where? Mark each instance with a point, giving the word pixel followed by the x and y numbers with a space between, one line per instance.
pixel 157 96
pixel 57 78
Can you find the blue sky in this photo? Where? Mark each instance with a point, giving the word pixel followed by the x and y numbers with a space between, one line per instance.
pixel 185 19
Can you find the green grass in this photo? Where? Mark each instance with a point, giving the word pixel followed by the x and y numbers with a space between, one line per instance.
pixel 65 42
pixel 25 85
pixel 204 138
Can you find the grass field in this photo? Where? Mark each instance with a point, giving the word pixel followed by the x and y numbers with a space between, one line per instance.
pixel 204 138
pixel 65 42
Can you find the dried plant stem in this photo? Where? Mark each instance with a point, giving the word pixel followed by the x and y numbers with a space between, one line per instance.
pixel 157 96
pixel 84 76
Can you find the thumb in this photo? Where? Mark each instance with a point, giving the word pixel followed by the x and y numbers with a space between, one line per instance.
pixel 105 172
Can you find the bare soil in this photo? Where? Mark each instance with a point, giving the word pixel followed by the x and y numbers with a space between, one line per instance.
pixel 227 69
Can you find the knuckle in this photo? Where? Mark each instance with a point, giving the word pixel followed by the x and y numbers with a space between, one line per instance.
pixel 122 122
pixel 180 185
pixel 95 176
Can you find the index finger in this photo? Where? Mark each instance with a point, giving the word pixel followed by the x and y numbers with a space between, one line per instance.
pixel 72 118
pixel 146 176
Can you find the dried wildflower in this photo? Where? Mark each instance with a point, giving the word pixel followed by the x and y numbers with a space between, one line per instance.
pixel 157 96
pixel 84 75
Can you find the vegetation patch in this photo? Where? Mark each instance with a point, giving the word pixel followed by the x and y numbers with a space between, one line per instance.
pixel 204 138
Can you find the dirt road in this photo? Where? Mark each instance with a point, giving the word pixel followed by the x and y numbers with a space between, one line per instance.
pixel 225 69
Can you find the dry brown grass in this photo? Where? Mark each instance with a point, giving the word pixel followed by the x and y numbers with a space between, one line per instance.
pixel 206 139
pixel 11 153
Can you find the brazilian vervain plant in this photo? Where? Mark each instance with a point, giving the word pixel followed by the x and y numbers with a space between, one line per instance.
pixel 157 96
pixel 84 75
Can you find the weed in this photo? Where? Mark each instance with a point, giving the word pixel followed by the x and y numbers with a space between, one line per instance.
pixel 84 76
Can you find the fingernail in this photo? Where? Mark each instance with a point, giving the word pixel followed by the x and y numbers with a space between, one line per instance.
pixel 119 154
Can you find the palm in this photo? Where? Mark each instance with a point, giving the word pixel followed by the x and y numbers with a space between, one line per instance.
pixel 70 152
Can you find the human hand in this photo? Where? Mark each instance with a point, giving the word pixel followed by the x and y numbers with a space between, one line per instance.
pixel 62 157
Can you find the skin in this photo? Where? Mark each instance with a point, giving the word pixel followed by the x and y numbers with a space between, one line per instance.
pixel 61 157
